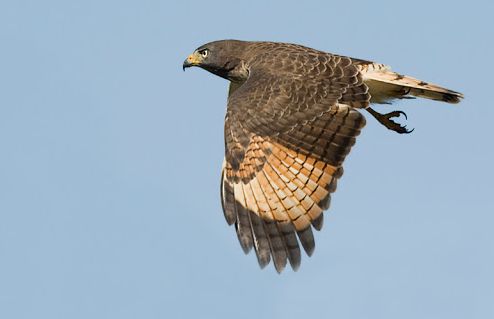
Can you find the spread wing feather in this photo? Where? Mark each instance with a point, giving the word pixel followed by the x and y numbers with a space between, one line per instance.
pixel 288 130
pixel 283 194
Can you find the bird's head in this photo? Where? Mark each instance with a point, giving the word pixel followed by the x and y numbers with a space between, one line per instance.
pixel 223 58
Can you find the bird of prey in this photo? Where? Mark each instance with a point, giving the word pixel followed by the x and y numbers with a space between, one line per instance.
pixel 293 114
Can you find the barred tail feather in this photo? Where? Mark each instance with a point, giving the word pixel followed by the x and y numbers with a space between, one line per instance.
pixel 385 85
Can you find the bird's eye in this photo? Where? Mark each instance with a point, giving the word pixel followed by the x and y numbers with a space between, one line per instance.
pixel 204 53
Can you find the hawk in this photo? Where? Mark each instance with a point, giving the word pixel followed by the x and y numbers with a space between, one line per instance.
pixel 293 114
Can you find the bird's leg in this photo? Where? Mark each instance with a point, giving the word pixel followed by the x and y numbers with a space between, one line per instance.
pixel 385 119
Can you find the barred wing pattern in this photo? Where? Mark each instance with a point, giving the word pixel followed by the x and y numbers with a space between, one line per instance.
pixel 286 139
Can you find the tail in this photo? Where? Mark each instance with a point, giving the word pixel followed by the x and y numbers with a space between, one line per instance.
pixel 385 85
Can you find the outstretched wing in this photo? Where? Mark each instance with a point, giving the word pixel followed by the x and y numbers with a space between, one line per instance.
pixel 288 130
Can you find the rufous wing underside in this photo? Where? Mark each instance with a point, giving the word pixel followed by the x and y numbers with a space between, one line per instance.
pixel 278 191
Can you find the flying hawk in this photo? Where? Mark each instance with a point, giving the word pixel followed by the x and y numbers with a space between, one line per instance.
pixel 293 115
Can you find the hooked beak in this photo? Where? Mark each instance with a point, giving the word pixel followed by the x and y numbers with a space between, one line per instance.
pixel 192 60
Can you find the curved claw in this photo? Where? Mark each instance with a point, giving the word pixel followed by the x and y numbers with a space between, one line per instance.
pixel 396 114
pixel 399 129
pixel 386 120
pixel 392 125
pixel 402 129
pixel 404 114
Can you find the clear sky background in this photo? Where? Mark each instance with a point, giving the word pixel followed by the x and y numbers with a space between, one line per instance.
pixel 110 161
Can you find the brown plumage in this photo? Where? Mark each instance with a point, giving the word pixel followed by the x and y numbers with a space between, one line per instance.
pixel 292 117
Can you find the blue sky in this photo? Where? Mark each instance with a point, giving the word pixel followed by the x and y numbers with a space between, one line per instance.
pixel 111 155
